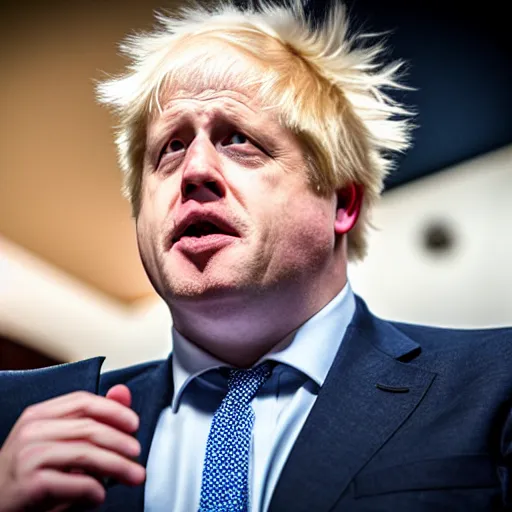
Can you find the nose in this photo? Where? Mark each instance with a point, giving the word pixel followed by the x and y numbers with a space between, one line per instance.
pixel 202 179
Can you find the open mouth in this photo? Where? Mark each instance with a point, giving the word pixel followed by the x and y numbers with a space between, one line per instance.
pixel 202 228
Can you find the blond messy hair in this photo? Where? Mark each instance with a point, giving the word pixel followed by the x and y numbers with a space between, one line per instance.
pixel 327 88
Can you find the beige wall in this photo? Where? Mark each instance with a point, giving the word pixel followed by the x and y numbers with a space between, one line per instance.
pixel 467 286
pixel 59 182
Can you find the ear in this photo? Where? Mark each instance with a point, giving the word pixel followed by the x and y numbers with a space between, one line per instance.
pixel 350 199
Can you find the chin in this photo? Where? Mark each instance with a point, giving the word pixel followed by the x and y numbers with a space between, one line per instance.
pixel 181 285
pixel 221 276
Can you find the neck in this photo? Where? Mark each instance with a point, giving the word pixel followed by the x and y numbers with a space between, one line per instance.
pixel 239 329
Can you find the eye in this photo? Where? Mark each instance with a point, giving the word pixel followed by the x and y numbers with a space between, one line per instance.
pixel 235 138
pixel 174 145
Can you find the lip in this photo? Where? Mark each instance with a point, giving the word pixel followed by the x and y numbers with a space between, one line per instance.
pixel 203 244
pixel 206 242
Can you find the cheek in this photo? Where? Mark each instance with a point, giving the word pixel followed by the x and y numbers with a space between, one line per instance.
pixel 144 241
pixel 159 194
pixel 315 228
pixel 150 221
pixel 150 244
pixel 307 232
pixel 158 198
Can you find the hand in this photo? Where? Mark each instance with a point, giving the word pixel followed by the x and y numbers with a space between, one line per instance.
pixel 58 451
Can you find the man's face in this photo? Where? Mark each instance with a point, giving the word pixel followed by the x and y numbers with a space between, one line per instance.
pixel 226 204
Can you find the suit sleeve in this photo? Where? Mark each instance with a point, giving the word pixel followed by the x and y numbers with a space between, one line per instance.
pixel 505 467
pixel 20 389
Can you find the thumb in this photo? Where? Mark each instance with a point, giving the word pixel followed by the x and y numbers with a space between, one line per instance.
pixel 120 393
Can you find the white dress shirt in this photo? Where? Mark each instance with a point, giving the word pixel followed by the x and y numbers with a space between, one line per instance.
pixel 281 406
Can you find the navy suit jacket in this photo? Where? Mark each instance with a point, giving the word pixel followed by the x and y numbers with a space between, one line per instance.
pixel 410 418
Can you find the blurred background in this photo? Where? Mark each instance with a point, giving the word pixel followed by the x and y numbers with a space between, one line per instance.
pixel 71 283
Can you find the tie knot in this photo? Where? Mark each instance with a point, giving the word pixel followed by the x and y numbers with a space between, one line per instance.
pixel 246 383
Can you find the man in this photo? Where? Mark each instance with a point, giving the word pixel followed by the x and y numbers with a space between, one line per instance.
pixel 254 147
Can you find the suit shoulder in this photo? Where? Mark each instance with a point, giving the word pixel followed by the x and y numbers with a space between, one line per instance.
pixel 126 375
pixel 496 342
pixel 454 334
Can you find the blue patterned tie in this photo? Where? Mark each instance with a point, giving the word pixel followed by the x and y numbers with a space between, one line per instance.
pixel 225 483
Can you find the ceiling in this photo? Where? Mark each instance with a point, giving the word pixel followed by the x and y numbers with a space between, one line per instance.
pixel 59 182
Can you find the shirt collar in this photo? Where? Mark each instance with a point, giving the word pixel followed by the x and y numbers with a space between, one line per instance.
pixel 188 362
pixel 310 349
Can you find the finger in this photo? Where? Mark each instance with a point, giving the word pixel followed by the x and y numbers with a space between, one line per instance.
pixel 51 488
pixel 82 456
pixel 80 429
pixel 120 394
pixel 61 508
pixel 83 404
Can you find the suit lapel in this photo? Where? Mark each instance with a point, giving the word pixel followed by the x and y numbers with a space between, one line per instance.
pixel 19 389
pixel 150 395
pixel 366 397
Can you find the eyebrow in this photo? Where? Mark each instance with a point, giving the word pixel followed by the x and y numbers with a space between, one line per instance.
pixel 167 122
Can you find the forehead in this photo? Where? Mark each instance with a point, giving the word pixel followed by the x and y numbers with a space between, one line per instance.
pixel 212 83
pixel 205 70
pixel 219 84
